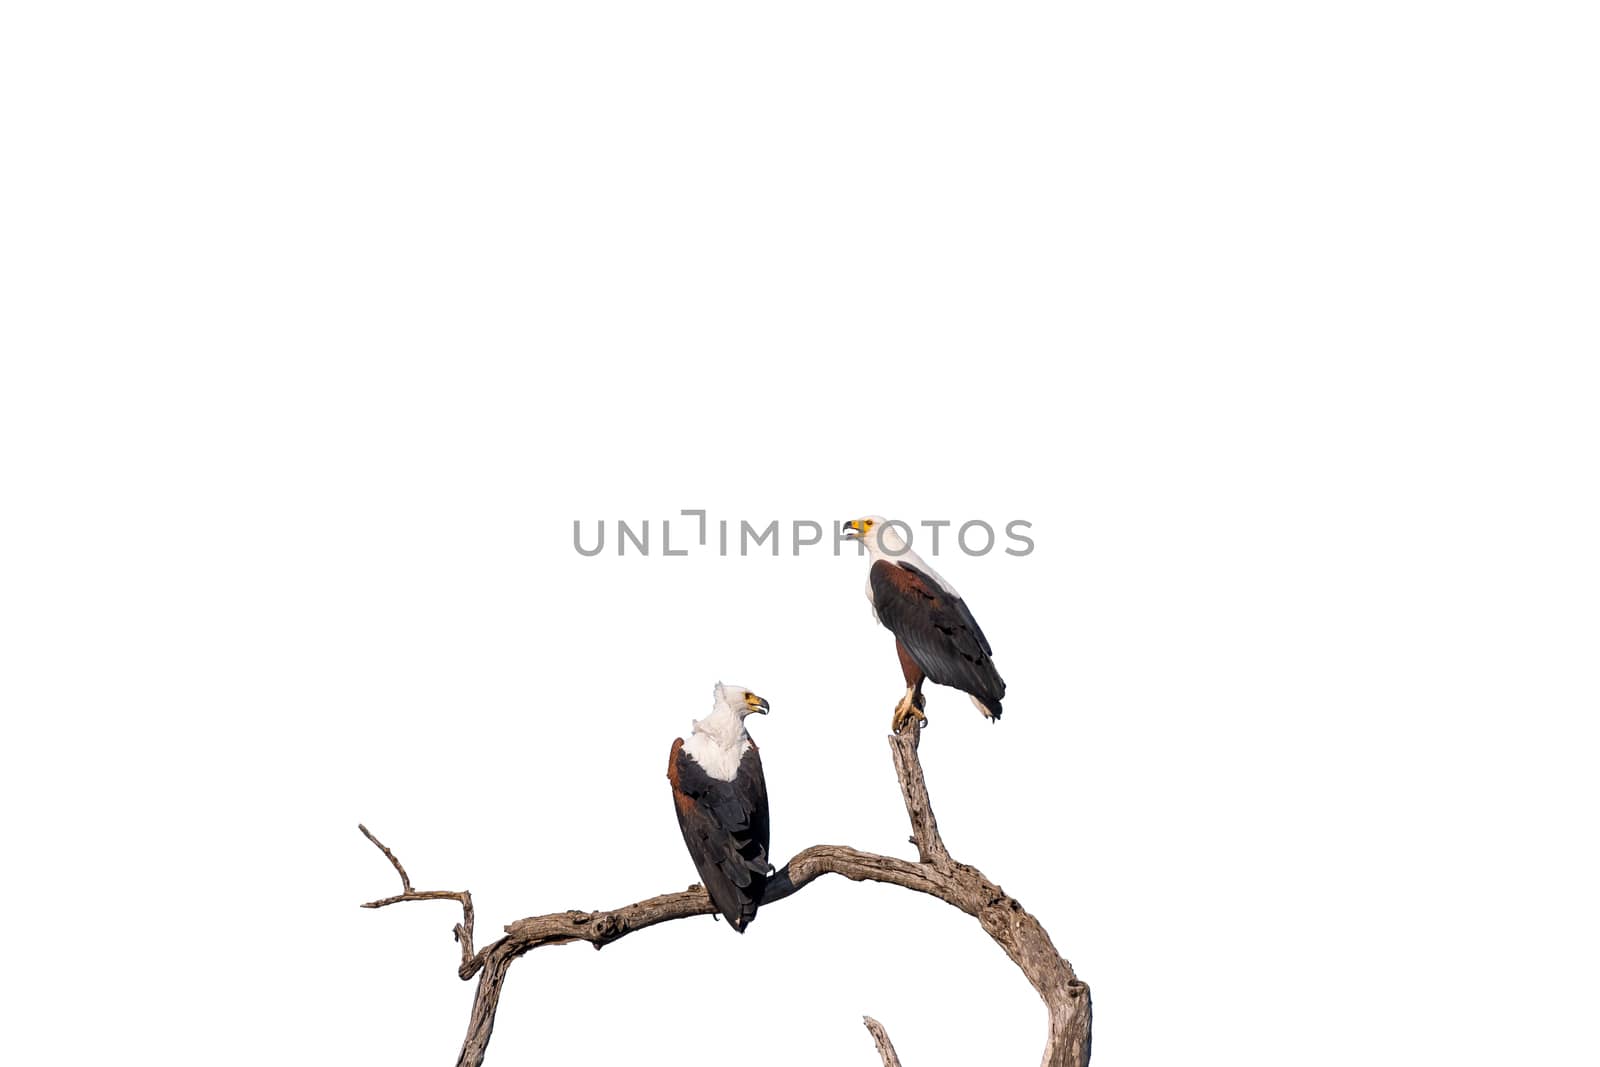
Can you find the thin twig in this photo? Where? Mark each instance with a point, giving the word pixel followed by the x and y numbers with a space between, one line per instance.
pixel 405 879
pixel 463 929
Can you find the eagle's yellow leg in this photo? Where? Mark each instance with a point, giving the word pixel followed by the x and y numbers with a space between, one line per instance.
pixel 910 707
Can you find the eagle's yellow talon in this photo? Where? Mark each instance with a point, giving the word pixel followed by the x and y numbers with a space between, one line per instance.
pixel 904 714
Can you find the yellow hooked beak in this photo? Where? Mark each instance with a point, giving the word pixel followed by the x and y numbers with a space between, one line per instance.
pixel 755 703
pixel 855 529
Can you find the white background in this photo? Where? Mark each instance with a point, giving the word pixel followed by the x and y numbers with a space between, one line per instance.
pixel 322 322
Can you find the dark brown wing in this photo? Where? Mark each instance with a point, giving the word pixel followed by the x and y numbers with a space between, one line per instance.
pixel 938 631
pixel 725 826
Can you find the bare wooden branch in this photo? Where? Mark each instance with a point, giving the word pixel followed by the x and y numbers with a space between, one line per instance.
pixel 463 929
pixel 908 767
pixel 935 873
pixel 405 879
pixel 880 1037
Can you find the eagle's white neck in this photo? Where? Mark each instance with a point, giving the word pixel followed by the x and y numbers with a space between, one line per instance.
pixel 719 742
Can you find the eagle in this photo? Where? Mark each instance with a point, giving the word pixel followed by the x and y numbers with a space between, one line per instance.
pixel 721 797
pixel 936 636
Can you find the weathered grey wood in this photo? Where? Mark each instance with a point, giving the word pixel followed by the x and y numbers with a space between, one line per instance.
pixel 880 1037
pixel 935 873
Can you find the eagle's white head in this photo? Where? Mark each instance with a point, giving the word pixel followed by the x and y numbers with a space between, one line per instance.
pixel 737 701
pixel 881 537
pixel 719 740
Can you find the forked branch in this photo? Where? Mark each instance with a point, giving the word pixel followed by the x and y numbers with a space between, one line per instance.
pixel 463 929
pixel 935 873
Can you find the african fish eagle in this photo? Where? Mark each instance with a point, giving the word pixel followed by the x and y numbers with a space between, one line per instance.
pixel 721 796
pixel 935 634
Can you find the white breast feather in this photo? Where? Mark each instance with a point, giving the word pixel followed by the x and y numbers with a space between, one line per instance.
pixel 718 743
pixel 718 760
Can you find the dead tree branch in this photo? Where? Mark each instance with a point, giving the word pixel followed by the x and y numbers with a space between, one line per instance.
pixel 880 1037
pixel 463 928
pixel 935 873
